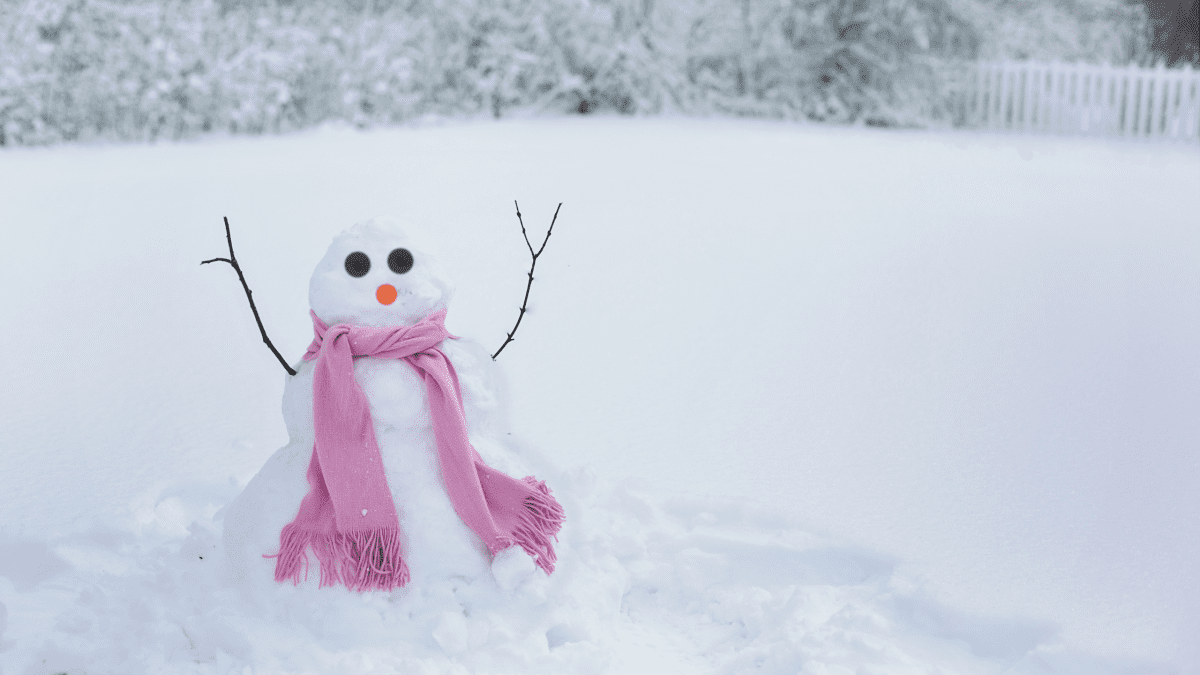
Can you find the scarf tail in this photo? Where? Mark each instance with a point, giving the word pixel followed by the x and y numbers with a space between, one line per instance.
pixel 367 560
pixel 370 560
pixel 291 563
pixel 537 523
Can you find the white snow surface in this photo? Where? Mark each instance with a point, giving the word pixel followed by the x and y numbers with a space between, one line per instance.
pixel 814 400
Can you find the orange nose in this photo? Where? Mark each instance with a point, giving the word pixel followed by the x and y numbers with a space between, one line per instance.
pixel 386 294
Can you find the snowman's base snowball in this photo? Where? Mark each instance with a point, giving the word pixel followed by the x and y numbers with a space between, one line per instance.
pixel 512 567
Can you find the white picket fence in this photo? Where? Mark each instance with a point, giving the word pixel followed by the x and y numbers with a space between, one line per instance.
pixel 1085 99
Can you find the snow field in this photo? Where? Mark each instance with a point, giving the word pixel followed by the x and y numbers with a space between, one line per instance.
pixel 973 353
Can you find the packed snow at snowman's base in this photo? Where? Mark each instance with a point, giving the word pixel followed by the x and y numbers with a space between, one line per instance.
pixel 904 371
pixel 681 587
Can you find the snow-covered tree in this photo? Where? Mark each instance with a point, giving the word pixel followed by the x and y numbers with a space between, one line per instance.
pixel 1175 30
pixel 148 69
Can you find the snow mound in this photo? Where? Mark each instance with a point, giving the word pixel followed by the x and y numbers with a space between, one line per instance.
pixel 642 586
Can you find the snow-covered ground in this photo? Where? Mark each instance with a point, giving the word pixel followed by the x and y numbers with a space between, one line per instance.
pixel 816 400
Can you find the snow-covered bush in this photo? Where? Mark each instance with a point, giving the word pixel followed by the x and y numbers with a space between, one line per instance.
pixel 876 61
pixel 1097 31
pixel 146 69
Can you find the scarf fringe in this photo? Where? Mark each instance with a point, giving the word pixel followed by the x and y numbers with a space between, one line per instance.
pixel 539 521
pixel 364 561
pixel 291 559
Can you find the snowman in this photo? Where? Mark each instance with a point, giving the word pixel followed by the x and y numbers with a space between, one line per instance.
pixel 381 485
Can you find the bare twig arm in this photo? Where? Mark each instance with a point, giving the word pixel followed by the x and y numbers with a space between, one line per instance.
pixel 232 260
pixel 529 284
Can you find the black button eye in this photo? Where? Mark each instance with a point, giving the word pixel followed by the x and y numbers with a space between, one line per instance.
pixel 400 260
pixel 358 264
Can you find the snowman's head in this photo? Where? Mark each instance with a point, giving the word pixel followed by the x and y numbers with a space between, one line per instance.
pixel 378 273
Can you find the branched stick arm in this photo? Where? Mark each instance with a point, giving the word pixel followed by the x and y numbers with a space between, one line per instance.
pixel 529 284
pixel 232 260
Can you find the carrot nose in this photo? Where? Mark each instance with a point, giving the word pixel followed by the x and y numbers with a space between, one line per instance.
pixel 386 294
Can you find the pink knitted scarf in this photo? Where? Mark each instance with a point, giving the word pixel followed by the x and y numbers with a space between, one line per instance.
pixel 348 517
